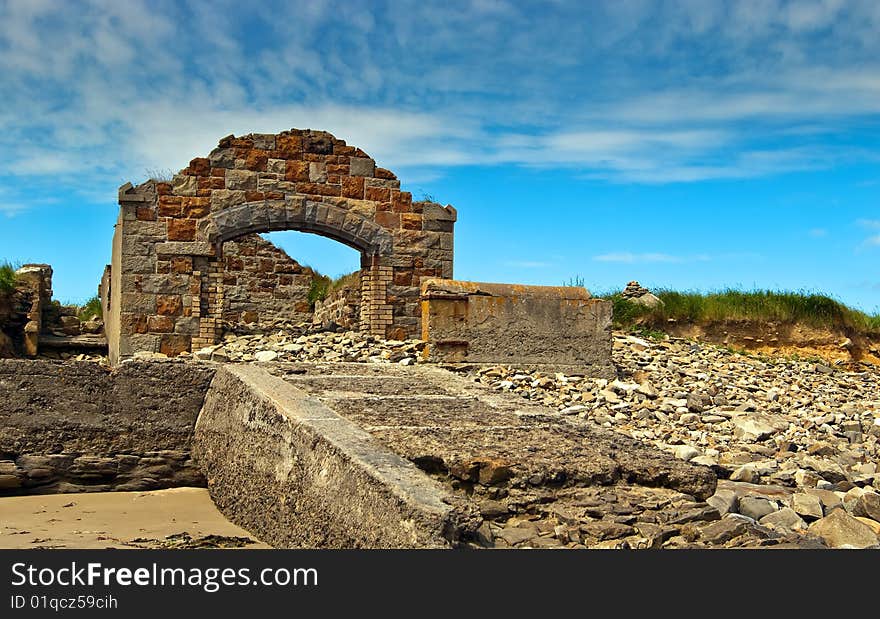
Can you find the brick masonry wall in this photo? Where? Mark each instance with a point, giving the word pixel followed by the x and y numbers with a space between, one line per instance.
pixel 263 284
pixel 171 288
pixel 75 427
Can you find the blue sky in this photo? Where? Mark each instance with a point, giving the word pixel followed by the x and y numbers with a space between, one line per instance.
pixel 689 144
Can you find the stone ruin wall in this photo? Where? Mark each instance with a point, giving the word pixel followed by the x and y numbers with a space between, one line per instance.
pixel 26 312
pixel 341 308
pixel 166 292
pixel 262 284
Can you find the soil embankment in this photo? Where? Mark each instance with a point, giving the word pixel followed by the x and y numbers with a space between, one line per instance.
pixel 783 340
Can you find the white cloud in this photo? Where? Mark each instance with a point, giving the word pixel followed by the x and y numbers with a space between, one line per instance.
pixel 99 91
pixel 818 233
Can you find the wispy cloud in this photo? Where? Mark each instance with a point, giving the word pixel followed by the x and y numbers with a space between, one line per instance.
pixel 818 233
pixel 739 90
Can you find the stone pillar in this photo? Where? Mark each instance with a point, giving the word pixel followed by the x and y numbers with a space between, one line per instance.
pixel 37 280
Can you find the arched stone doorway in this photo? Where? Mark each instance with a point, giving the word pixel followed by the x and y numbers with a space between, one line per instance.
pixel 165 281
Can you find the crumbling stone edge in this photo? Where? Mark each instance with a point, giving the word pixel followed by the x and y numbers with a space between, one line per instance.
pixel 296 474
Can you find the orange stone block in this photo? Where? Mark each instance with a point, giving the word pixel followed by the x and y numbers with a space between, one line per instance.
pixel 146 213
pixel 182 264
pixel 388 220
pixel 181 229
pixel 297 171
pixel 319 189
pixel 401 201
pixel 160 324
pixel 411 221
pixel 353 187
pixel 256 160
pixel 172 344
pixel 169 304
pixel 379 194
pixel 211 182
pixel 289 144
pixel 196 207
pixel 169 206
pixel 200 166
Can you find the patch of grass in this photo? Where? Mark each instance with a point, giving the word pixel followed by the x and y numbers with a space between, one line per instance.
pixel 7 277
pixel 319 288
pixel 807 308
pixel 91 308
pixel 322 285
pixel 350 280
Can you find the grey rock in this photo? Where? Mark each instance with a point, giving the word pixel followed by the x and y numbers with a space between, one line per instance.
pixel 785 518
pixel 755 507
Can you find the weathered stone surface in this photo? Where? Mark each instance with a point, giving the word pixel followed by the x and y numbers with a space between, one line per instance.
pixel 308 181
pixel 868 506
pixel 298 475
pixel 755 507
pixel 553 327
pixel 126 429
pixel 785 518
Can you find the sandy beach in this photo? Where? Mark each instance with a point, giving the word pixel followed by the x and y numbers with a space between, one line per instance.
pixel 174 518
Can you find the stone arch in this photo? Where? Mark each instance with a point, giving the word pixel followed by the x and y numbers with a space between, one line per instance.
pixel 302 215
pixel 166 291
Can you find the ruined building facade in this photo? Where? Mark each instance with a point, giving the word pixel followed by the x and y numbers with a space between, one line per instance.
pixel 170 284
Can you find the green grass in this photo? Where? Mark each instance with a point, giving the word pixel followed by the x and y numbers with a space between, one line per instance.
pixel 7 277
pixel 322 285
pixel 808 308
pixel 92 307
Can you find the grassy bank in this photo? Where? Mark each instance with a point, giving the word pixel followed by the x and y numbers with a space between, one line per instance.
pixel 7 277
pixel 815 310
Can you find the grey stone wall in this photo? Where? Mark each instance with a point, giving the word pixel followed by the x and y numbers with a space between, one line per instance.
pixel 73 426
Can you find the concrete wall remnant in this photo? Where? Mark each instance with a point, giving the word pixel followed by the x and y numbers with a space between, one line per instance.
pixel 547 326
pixel 166 284
pixel 298 475
pixel 70 426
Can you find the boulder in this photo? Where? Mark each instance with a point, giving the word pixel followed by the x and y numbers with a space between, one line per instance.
pixel 840 530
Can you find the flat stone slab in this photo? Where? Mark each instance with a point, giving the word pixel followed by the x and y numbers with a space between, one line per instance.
pixel 436 417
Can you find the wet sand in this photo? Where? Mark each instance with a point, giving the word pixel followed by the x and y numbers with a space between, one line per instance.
pixel 175 518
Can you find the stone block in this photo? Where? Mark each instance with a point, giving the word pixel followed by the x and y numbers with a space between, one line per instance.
pixel 362 166
pixel 183 185
pixel 241 180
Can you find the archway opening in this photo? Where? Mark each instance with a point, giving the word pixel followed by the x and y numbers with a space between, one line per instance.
pixel 281 278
